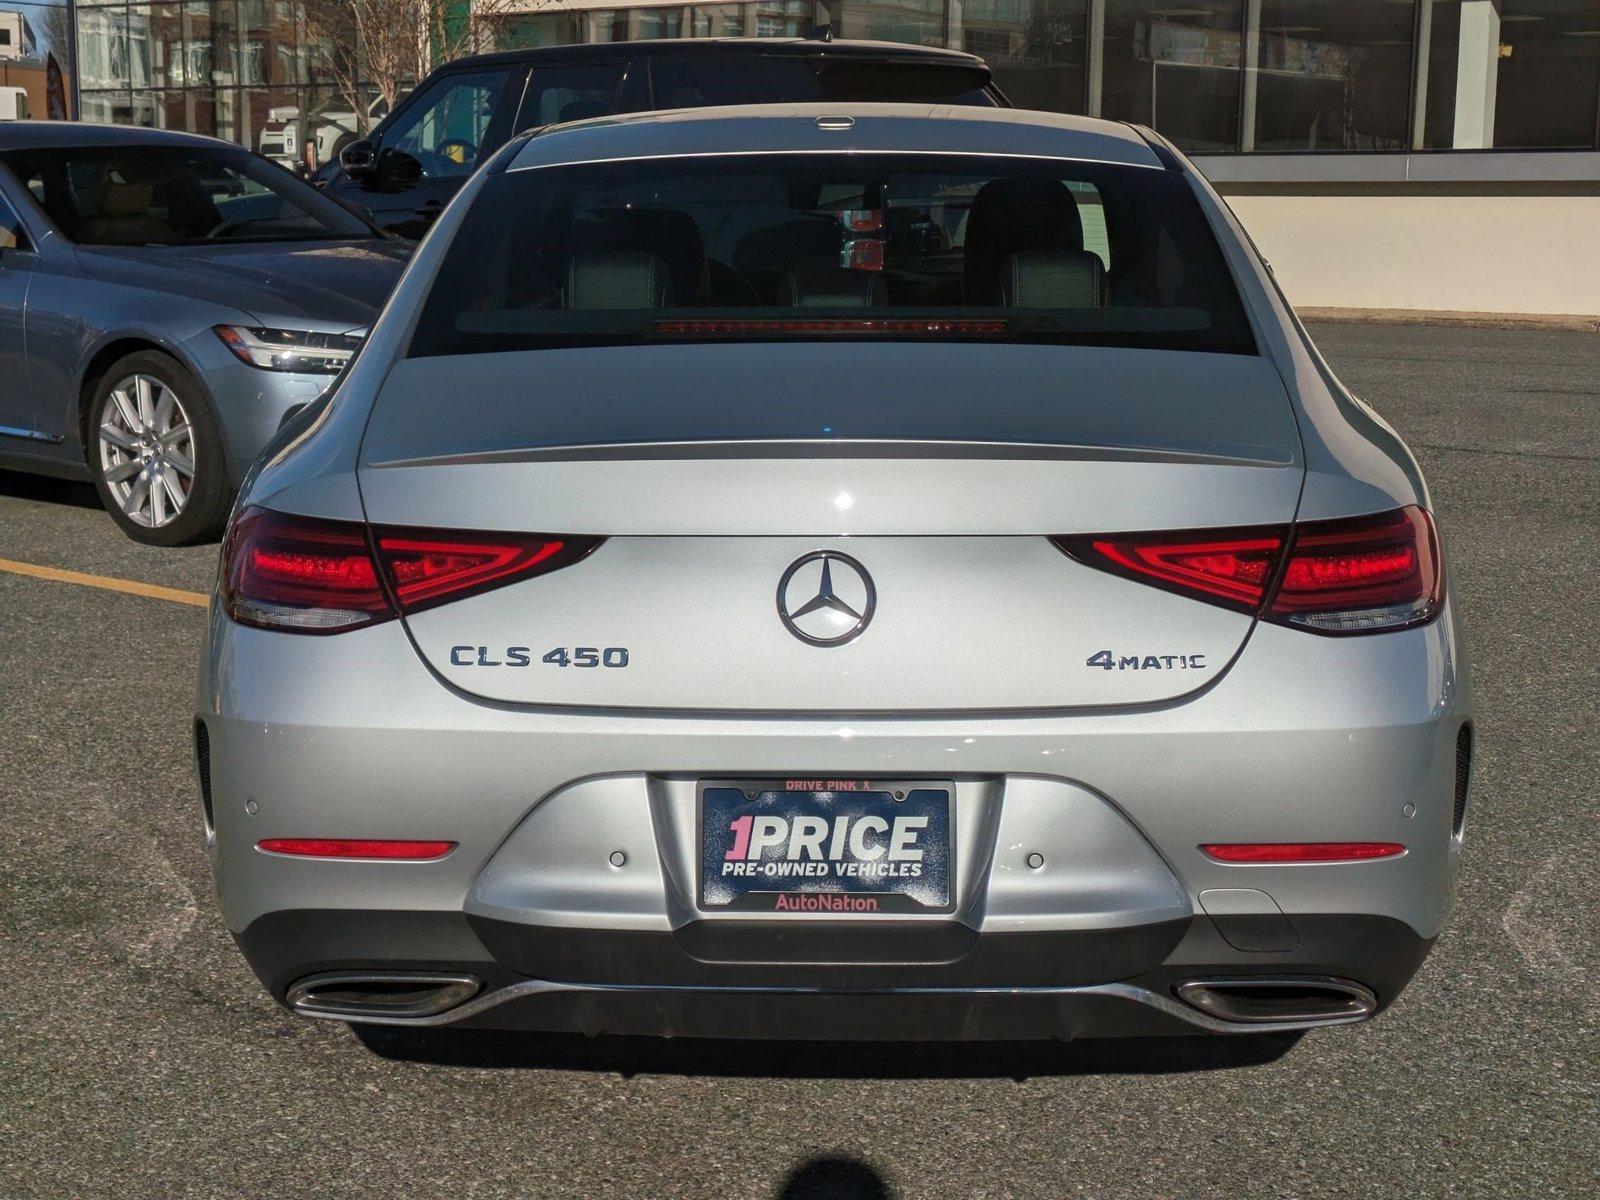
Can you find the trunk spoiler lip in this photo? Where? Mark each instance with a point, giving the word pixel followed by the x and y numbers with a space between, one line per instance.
pixel 1271 457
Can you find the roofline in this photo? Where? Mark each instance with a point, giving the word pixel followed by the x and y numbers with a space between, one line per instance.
pixel 753 130
pixel 803 152
pixel 811 47
pixel 17 135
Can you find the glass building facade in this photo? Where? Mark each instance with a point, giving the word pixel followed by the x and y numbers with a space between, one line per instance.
pixel 1221 76
pixel 233 69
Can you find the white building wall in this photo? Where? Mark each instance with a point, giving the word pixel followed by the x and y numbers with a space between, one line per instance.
pixel 1492 233
pixel 13 35
pixel 1465 253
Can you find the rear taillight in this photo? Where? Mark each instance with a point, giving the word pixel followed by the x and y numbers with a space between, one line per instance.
pixel 1229 568
pixel 1370 573
pixel 295 573
pixel 1355 575
pixel 308 575
pixel 426 567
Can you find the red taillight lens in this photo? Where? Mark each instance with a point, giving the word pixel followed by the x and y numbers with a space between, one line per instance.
pixel 299 574
pixel 427 567
pixel 1301 852
pixel 308 575
pixel 375 848
pixel 1357 575
pixel 1379 572
pixel 1233 568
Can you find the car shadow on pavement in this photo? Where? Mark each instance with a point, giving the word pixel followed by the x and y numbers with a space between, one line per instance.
pixel 834 1178
pixel 48 490
pixel 629 1056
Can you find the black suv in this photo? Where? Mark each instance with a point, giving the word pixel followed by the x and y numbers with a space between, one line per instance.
pixel 406 172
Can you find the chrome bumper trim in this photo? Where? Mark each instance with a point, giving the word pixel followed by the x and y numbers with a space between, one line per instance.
pixel 1122 991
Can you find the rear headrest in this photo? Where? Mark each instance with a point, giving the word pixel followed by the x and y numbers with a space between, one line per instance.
pixel 1011 215
pixel 1053 279
pixel 670 234
pixel 833 287
pixel 616 279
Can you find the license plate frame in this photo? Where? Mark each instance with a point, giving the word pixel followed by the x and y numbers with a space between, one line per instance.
pixel 827 886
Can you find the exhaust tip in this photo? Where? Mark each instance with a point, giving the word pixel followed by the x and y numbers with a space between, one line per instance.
pixel 357 994
pixel 1275 999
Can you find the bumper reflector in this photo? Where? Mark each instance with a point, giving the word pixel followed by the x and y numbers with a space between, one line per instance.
pixel 1301 852
pixel 407 851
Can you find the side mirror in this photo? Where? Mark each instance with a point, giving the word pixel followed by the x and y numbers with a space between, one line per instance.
pixel 395 170
pixel 359 159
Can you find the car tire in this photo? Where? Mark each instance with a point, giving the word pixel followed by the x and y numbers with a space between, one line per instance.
pixel 155 451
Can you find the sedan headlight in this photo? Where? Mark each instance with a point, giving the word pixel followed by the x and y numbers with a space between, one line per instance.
pixel 303 351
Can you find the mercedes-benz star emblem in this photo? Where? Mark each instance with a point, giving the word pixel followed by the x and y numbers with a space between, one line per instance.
pixel 826 598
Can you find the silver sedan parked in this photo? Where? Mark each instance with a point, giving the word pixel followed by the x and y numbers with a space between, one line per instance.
pixel 795 572
pixel 164 300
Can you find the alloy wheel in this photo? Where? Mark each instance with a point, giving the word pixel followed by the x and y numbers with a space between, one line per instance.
pixel 147 450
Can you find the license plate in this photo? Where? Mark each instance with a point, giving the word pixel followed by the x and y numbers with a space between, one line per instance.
pixel 817 846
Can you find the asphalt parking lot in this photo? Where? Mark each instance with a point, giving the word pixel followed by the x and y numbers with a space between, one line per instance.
pixel 139 1057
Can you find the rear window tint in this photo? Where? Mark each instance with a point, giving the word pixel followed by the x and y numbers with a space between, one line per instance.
pixel 822 247
pixel 679 83
pixel 847 81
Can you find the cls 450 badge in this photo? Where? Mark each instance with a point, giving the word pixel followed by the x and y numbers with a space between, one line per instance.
pixel 1108 661
pixel 522 656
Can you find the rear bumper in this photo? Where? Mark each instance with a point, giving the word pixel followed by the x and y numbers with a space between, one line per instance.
pixel 1001 986
pixel 1307 739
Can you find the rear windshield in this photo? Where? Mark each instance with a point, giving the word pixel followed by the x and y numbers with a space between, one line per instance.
pixel 696 81
pixel 846 80
pixel 899 247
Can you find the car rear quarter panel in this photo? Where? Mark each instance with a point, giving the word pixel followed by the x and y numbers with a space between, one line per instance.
pixel 1355 462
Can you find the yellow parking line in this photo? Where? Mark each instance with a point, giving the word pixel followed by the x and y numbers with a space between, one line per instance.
pixel 131 587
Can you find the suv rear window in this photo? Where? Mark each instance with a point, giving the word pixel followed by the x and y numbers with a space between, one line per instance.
pixel 693 81
pixel 852 80
pixel 897 247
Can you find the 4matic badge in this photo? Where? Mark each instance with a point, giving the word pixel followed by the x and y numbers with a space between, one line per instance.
pixel 1108 661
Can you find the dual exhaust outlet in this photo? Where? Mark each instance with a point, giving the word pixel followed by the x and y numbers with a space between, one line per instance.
pixel 1243 1000
pixel 402 995
pixel 1280 999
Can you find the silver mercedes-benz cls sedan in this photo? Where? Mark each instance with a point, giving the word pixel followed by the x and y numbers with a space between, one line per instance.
pixel 794 572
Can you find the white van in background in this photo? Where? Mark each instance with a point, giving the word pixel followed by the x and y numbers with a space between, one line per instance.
pixel 14 104
pixel 283 137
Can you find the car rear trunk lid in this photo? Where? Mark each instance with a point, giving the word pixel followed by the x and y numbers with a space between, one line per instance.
pixel 939 471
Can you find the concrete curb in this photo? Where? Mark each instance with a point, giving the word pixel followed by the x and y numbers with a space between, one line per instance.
pixel 1424 316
